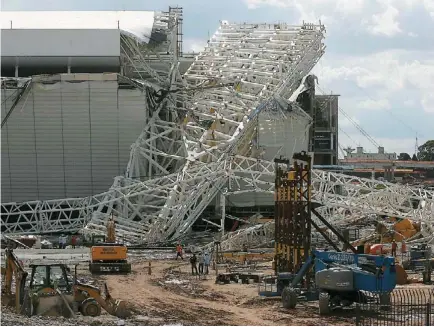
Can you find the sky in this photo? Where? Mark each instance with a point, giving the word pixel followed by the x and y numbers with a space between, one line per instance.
pixel 379 56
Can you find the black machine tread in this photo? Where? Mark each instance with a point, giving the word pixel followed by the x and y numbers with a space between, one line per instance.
pixel 108 244
pixel 98 267
pixel 324 299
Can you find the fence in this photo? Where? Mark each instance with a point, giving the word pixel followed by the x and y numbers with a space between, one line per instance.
pixel 402 307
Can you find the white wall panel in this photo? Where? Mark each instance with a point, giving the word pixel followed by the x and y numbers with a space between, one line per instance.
pixel 22 159
pixel 133 112
pixel 81 132
pixel 76 135
pixel 53 43
pixel 7 100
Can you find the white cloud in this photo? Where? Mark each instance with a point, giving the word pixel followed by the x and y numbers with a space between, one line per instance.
pixel 385 23
pixel 378 17
pixel 387 72
pixel 193 45
pixel 370 104
pixel 427 103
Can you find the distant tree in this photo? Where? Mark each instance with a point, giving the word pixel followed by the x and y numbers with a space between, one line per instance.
pixel 404 156
pixel 426 151
pixel 414 158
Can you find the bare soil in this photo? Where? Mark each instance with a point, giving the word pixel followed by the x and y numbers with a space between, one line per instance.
pixel 171 293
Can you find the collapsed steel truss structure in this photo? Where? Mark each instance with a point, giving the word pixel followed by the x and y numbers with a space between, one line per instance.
pixel 199 143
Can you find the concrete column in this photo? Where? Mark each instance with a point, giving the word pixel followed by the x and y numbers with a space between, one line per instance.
pixel 223 212
pixel 69 69
pixel 16 71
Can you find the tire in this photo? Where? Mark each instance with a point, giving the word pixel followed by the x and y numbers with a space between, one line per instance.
pixel 90 307
pixel 289 298
pixel 324 303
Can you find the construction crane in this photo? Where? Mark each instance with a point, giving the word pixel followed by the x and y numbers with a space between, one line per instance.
pixel 109 256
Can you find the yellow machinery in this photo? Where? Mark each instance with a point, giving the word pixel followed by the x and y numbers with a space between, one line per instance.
pixel 109 256
pixel 51 291
pixel 292 213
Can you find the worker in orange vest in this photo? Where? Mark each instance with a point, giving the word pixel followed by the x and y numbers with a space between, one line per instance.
pixel 179 251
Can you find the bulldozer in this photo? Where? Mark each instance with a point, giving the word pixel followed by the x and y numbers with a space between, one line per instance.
pixel 52 291
pixel 109 256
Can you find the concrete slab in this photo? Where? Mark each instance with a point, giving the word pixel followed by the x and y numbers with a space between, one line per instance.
pixel 64 255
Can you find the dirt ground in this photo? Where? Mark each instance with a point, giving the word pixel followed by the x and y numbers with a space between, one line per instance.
pixel 171 295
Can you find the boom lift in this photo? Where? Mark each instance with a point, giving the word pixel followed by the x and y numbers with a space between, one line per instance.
pixel 109 256
pixel 52 291
pixel 335 278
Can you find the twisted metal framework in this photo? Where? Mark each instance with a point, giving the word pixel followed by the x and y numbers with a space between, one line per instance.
pixel 199 138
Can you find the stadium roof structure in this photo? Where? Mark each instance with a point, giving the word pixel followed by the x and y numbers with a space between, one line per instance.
pixel 135 23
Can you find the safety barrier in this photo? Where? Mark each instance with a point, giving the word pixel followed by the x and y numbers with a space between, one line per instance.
pixel 402 307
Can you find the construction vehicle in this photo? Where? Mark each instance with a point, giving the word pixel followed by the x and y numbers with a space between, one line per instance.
pixel 109 256
pixel 52 291
pixel 339 280
pixel 336 278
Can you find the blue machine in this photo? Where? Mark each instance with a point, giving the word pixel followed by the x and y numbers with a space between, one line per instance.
pixel 339 278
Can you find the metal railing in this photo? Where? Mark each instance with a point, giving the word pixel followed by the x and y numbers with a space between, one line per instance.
pixel 402 307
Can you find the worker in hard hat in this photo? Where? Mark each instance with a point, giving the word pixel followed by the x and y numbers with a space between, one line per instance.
pixel 201 263
pixel 206 262
pixel 193 262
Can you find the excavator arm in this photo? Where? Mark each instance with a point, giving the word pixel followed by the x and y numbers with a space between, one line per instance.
pixel 13 268
pixel 111 231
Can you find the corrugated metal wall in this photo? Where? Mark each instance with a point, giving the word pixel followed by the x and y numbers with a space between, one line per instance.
pixel 68 139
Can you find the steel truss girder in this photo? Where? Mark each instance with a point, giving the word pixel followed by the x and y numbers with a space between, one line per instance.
pixel 221 120
pixel 128 199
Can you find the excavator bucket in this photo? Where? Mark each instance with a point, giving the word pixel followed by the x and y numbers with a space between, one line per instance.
pixel 116 308
pixel 121 310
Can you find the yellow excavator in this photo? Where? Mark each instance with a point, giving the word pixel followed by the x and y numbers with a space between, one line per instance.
pixel 51 291
pixel 109 256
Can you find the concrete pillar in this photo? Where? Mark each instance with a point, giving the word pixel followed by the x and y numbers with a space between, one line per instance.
pixel 69 69
pixel 223 212
pixel 16 71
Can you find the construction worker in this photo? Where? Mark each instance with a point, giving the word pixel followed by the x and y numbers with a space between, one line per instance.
pixel 193 261
pixel 206 261
pixel 403 247
pixel 179 251
pixel 201 263
pixel 74 241
pixel 111 230
pixel 61 241
pixel 394 246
